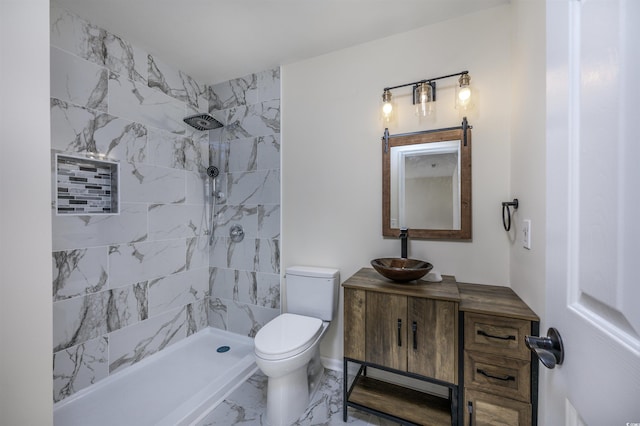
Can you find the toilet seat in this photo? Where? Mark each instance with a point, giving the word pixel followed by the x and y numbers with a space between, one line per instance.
pixel 286 335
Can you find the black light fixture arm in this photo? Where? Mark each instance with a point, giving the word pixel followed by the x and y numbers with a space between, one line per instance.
pixel 426 80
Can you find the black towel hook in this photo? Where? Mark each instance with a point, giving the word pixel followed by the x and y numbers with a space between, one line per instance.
pixel 506 222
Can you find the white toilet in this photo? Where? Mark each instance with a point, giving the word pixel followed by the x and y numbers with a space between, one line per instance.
pixel 287 348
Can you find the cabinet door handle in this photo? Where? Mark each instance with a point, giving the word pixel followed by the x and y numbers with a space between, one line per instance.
pixel 414 327
pixel 491 376
pixel 399 330
pixel 492 336
pixel 470 410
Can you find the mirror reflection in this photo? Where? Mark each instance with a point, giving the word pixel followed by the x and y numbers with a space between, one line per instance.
pixel 427 185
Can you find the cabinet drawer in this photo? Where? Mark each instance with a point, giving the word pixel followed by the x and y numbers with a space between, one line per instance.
pixel 491 410
pixel 496 335
pixel 499 375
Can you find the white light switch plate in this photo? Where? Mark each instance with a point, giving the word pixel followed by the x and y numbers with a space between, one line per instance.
pixel 526 234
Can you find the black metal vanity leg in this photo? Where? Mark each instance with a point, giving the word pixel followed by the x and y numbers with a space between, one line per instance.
pixel 460 388
pixel 345 385
pixel 453 397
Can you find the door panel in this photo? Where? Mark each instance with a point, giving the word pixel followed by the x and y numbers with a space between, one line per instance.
pixel 593 208
pixel 604 286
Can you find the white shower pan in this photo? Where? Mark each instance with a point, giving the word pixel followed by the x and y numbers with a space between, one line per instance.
pixel 179 385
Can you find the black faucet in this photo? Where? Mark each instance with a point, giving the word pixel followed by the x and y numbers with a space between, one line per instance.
pixel 404 237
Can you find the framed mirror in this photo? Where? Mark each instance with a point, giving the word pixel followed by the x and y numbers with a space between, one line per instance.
pixel 426 184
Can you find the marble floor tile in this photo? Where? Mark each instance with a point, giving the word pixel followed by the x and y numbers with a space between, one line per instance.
pixel 247 406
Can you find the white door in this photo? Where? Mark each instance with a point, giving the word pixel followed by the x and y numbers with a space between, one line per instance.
pixel 593 211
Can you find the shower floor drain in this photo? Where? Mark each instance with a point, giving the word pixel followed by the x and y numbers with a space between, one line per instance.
pixel 223 349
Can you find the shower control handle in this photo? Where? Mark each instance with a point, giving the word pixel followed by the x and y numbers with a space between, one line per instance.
pixel 236 233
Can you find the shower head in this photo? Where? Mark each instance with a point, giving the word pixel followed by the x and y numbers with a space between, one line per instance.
pixel 213 172
pixel 202 122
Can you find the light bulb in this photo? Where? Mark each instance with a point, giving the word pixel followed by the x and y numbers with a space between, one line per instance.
pixel 423 99
pixel 463 95
pixel 387 106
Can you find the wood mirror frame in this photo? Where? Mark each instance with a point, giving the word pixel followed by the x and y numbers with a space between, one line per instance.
pixel 453 134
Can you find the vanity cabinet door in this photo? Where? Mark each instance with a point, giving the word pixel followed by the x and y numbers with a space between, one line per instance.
pixel 386 330
pixel 432 326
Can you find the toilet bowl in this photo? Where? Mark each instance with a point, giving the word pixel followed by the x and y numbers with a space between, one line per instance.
pixel 287 349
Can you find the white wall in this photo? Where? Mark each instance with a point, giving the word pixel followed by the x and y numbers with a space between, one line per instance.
pixel 331 150
pixel 528 165
pixel 25 222
pixel 528 136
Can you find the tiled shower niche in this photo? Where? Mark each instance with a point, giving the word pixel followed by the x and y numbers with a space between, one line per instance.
pixel 86 186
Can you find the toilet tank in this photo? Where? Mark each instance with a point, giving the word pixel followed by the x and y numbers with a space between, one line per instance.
pixel 312 291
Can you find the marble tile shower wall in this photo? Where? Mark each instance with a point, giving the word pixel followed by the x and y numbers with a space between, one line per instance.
pixel 245 276
pixel 125 286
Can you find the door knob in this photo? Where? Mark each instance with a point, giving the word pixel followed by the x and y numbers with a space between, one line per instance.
pixel 548 349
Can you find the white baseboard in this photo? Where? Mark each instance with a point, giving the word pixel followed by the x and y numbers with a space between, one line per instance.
pixel 338 365
pixel 332 364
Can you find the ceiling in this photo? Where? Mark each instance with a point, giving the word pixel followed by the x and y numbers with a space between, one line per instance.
pixel 217 40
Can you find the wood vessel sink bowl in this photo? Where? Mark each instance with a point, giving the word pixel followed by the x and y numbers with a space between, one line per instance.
pixel 401 270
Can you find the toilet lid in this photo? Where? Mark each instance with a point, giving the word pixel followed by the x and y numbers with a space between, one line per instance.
pixel 286 335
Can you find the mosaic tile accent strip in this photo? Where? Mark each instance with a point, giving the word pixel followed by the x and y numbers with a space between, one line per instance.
pixel 86 186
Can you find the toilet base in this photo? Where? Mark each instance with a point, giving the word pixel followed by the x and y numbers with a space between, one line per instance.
pixel 315 373
pixel 287 397
pixel 292 383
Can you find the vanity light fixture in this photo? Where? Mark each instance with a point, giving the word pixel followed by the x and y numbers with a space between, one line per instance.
pixel 424 94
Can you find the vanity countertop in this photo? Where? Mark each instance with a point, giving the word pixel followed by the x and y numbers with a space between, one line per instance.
pixel 494 300
pixel 368 279
pixel 478 298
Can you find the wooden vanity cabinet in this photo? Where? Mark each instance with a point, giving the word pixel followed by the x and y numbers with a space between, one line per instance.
pixel 468 338
pixel 500 372
pixel 408 329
